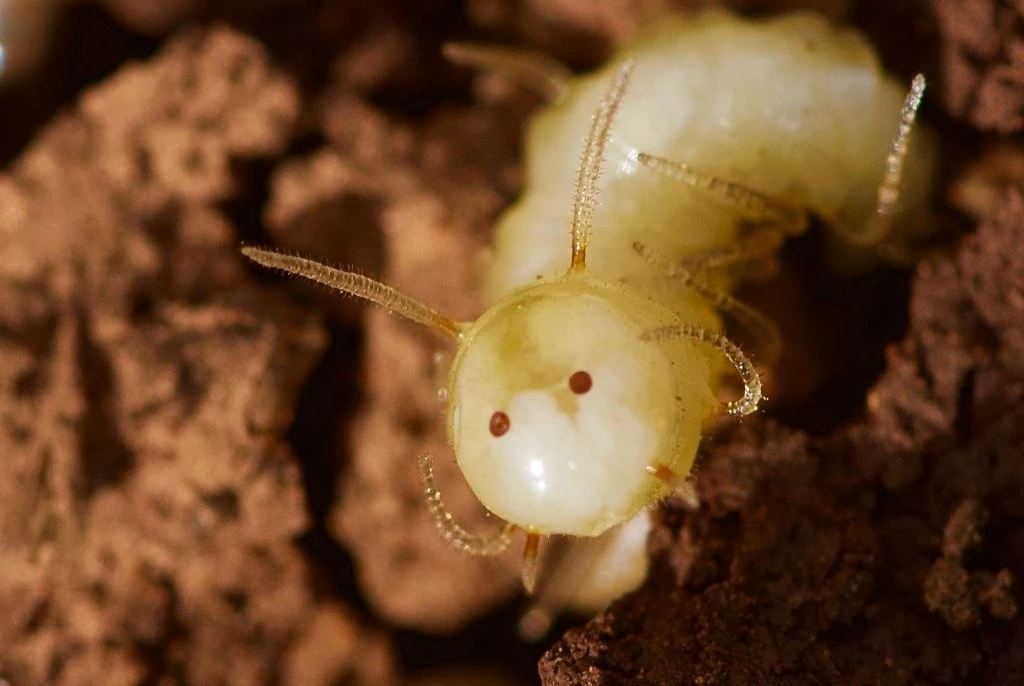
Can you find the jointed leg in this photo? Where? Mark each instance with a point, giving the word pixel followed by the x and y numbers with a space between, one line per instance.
pixel 680 485
pixel 531 562
pixel 535 70
pixel 751 204
pixel 880 224
pixel 764 330
pixel 586 574
pixel 759 244
pixel 759 207
pixel 773 218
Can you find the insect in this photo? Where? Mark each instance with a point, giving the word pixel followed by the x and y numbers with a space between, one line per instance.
pixel 578 398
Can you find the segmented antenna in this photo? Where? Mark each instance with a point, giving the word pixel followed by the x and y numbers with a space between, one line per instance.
pixel 357 285
pixel 473 544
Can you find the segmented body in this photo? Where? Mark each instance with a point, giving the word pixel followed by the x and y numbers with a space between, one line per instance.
pixel 579 397
pixel 794 107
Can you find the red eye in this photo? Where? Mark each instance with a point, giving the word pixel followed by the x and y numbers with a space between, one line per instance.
pixel 500 424
pixel 580 382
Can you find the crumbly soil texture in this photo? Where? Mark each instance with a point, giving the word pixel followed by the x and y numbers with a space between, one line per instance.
pixel 207 474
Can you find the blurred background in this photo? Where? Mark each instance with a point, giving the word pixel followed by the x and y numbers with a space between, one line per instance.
pixel 207 472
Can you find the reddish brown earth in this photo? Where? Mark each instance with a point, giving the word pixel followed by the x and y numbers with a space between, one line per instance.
pixel 207 474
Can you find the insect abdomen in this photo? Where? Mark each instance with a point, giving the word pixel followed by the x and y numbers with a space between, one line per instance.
pixel 794 107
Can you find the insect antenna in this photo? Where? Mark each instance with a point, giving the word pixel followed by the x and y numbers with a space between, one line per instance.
pixel 590 166
pixel 751 379
pixel 359 286
pixel 461 539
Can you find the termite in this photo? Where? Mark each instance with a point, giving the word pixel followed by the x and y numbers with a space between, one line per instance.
pixel 578 398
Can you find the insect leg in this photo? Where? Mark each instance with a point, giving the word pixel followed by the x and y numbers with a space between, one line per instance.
pixel 585 574
pixel 535 623
pixel 531 562
pixel 755 322
pixel 751 379
pixel 569 563
pixel 534 70
pixel 759 244
pixel 680 485
pixel 879 225
pixel 752 204
pixel 473 544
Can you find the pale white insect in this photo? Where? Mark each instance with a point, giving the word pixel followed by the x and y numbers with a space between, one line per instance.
pixel 578 398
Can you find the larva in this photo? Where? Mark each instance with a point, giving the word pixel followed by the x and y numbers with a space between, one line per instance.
pixel 577 399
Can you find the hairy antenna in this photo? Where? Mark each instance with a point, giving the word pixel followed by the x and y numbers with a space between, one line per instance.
pixel 451 531
pixel 359 286
pixel 590 166
pixel 751 379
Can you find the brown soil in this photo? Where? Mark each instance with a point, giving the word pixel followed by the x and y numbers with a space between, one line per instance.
pixel 208 474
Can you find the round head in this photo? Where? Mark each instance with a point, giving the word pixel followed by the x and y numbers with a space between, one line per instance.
pixel 558 407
